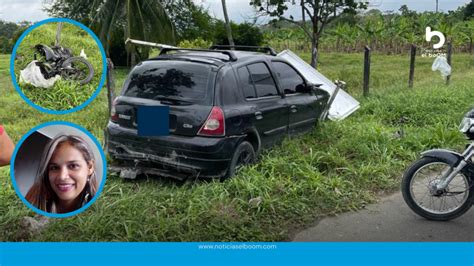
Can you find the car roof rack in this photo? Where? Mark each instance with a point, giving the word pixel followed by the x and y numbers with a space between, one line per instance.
pixel 266 49
pixel 230 54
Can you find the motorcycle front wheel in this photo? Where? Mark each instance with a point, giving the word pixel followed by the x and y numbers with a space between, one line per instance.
pixel 418 190
pixel 78 69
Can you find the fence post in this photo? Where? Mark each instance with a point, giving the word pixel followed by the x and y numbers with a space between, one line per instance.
pixel 450 51
pixel 366 70
pixel 110 84
pixel 412 65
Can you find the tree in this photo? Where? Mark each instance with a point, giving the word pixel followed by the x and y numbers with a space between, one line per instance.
pixel 469 11
pixel 191 21
pixel 7 29
pixel 319 13
pixel 22 27
pixel 5 47
pixel 73 9
pixel 144 20
pixel 406 12
pixel 141 19
pixel 243 34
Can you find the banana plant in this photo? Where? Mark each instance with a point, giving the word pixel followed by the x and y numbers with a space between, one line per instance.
pixel 465 32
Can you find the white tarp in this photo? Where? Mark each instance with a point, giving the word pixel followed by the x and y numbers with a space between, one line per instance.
pixel 32 75
pixel 342 106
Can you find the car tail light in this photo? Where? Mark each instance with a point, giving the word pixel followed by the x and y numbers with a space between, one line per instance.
pixel 113 113
pixel 214 125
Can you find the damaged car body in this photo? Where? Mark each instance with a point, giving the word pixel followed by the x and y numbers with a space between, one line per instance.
pixel 225 106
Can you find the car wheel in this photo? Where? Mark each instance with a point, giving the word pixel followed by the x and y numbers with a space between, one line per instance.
pixel 244 154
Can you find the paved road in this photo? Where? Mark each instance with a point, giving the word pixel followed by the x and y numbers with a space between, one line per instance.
pixel 388 220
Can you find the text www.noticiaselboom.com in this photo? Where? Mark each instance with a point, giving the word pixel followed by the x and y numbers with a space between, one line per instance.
pixel 237 246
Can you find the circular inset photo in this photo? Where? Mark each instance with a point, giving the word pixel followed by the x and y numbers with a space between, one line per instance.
pixel 58 169
pixel 58 66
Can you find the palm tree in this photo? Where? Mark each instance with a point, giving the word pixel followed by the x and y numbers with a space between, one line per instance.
pixel 142 19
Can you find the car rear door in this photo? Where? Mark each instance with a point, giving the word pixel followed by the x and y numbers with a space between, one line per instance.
pixel 268 109
pixel 304 107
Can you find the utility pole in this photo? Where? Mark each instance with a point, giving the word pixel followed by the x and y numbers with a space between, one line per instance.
pixel 227 24
pixel 436 6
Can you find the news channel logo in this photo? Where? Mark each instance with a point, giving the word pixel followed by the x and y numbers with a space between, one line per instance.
pixel 437 49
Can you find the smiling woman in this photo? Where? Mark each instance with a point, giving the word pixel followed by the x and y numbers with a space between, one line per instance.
pixel 66 178
pixel 58 169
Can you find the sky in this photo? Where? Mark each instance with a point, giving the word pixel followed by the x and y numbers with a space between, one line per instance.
pixel 239 10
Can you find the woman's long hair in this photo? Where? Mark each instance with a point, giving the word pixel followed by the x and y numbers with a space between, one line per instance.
pixel 41 194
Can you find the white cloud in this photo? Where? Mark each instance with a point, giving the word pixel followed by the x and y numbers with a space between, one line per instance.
pixel 16 11
pixel 239 10
pixel 419 5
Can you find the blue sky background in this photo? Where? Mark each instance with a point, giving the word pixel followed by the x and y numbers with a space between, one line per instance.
pixel 239 10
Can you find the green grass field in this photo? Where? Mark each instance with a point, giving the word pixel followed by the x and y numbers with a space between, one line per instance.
pixel 65 94
pixel 338 167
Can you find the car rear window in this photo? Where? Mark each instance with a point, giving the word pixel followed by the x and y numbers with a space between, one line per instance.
pixel 173 81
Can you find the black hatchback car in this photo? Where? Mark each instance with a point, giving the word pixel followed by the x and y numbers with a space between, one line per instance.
pixel 225 106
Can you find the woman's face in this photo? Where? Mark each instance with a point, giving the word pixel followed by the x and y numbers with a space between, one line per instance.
pixel 68 172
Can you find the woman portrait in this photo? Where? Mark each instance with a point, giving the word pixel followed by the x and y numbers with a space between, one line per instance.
pixel 58 172
pixel 66 179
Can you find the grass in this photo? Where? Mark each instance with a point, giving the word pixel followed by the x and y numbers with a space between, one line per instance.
pixel 65 94
pixel 339 166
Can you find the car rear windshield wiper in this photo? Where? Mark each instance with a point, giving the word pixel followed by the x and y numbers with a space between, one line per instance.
pixel 173 100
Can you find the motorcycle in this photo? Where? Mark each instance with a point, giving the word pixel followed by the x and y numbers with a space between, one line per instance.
pixel 440 185
pixel 60 61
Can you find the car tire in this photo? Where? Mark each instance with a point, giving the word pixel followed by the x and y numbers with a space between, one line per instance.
pixel 244 154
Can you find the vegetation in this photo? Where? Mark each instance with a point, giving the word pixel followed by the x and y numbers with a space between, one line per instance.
pixel 243 34
pixel 388 33
pixel 191 21
pixel 339 166
pixel 142 20
pixel 319 12
pixel 468 10
pixel 65 94
pixel 9 33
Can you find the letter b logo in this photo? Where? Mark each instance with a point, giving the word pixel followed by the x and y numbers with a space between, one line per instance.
pixel 430 34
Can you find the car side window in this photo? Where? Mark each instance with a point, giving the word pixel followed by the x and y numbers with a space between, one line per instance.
pixel 262 79
pixel 248 88
pixel 290 81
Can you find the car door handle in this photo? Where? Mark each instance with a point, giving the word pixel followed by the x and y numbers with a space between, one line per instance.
pixel 258 115
pixel 319 97
pixel 293 109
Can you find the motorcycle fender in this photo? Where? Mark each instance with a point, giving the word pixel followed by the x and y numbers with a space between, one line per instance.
pixel 46 51
pixel 450 157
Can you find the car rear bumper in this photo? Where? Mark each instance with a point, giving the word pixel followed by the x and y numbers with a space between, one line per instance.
pixel 182 155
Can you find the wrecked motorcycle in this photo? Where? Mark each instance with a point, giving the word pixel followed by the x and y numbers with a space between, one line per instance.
pixel 440 185
pixel 60 61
